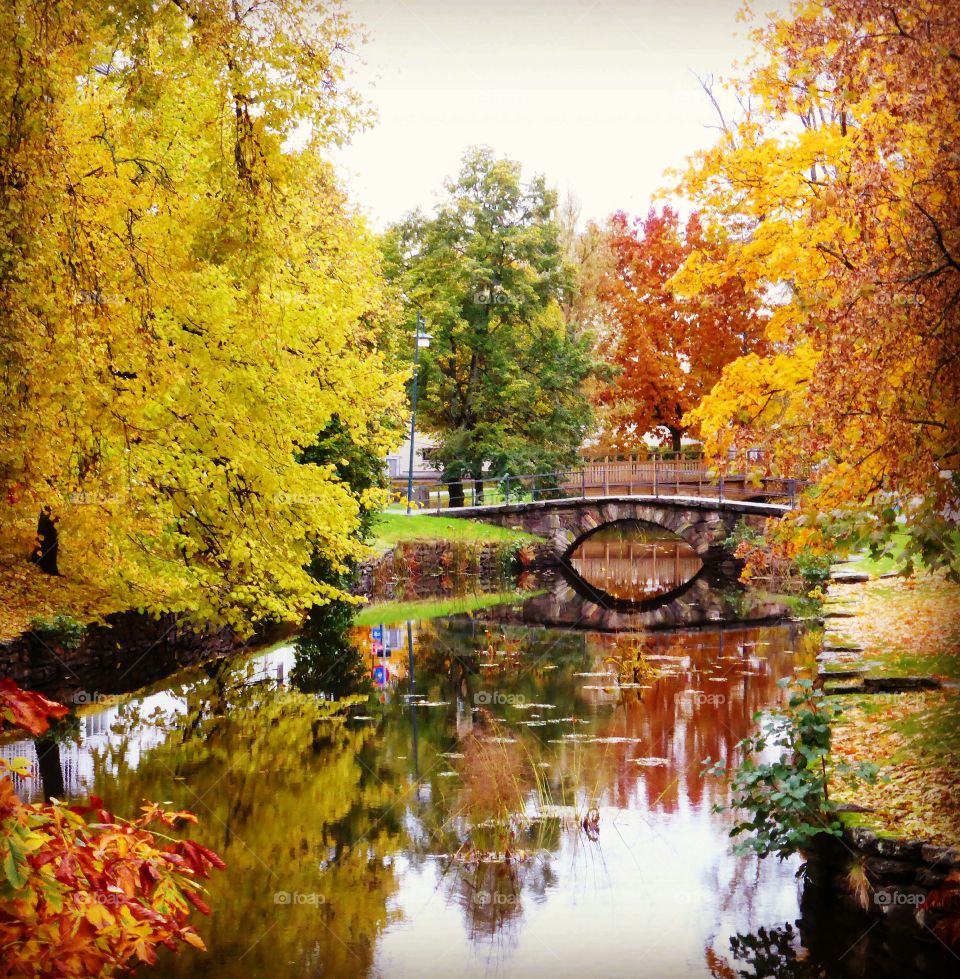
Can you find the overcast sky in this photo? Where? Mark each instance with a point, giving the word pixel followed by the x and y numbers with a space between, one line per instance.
pixel 601 96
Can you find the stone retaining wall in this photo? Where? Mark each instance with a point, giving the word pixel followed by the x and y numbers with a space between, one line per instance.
pixel 914 886
pixel 128 651
pixel 430 569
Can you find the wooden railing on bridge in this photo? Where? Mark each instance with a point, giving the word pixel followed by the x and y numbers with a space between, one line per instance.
pixel 649 477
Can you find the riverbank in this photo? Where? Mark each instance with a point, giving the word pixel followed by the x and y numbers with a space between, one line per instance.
pixel 895 627
pixel 391 528
pixel 58 631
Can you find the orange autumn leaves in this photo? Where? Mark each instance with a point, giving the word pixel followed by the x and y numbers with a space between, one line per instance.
pixel 83 892
pixel 667 350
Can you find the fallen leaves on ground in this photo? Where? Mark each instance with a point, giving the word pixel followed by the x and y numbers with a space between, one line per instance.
pixel 906 627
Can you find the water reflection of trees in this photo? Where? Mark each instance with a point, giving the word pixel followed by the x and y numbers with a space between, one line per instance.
pixel 634 562
pixel 768 953
pixel 701 705
pixel 299 802
pixel 307 829
pixel 326 661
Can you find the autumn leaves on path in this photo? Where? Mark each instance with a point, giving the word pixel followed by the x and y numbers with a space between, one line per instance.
pixel 902 627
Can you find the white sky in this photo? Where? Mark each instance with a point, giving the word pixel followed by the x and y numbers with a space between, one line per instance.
pixel 601 97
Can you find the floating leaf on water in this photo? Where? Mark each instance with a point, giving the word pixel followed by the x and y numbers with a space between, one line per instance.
pixel 452 754
pixel 614 740
pixel 557 812
pixel 360 717
pixel 651 762
pixel 447 774
pixel 501 740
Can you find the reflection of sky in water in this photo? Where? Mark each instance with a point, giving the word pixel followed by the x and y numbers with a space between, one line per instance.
pixel 98 737
pixel 369 818
pixel 635 562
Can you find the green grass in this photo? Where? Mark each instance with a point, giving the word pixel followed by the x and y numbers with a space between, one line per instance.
pixel 393 528
pixel 391 613
pixel 890 560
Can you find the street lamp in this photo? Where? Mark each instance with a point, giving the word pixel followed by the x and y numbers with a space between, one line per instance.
pixel 423 339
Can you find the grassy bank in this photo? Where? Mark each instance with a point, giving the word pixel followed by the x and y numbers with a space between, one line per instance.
pixel 393 528
pixel 890 560
pixel 390 613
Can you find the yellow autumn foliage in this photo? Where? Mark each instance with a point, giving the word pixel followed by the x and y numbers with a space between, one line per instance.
pixel 186 299
pixel 837 189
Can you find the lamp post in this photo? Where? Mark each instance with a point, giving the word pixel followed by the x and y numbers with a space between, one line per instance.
pixel 424 339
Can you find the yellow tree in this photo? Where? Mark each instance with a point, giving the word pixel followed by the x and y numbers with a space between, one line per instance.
pixel 840 190
pixel 186 299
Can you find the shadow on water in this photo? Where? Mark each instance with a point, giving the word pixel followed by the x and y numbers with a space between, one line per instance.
pixel 498 800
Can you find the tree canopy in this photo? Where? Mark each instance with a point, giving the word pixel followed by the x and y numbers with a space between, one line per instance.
pixel 502 384
pixel 668 350
pixel 839 189
pixel 186 299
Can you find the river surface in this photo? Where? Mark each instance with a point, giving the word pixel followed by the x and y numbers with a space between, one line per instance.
pixel 510 799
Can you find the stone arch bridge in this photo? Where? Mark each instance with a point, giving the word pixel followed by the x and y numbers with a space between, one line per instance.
pixel 703 522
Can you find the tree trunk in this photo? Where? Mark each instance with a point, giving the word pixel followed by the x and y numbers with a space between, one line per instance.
pixel 45 556
pixel 51 768
pixel 478 492
pixel 676 435
pixel 456 491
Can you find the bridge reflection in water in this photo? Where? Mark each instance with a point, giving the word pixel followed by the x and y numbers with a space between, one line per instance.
pixel 633 561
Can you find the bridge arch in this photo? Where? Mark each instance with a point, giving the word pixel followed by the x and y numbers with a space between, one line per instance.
pixel 702 522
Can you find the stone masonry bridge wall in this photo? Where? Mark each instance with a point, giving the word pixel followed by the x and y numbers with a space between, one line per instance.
pixel 703 523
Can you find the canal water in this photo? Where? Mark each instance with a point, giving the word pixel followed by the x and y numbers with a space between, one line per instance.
pixel 507 797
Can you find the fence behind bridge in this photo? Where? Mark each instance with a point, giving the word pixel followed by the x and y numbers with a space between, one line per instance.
pixel 654 477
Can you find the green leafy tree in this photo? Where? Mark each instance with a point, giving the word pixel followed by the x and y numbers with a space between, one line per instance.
pixel 502 384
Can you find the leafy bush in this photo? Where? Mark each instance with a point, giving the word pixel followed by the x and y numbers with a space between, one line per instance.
pixel 62 630
pixel 84 892
pixel 743 533
pixel 813 568
pixel 787 799
pixel 514 555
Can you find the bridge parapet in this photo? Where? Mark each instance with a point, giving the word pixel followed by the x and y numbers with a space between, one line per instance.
pixel 659 478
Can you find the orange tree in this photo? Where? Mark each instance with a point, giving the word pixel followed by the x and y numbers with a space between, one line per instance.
pixel 839 188
pixel 83 892
pixel 668 349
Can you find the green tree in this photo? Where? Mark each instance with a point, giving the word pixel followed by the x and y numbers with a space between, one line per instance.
pixel 502 385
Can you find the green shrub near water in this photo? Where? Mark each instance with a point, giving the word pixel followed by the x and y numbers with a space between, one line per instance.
pixel 786 801
pixel 813 568
pixel 61 630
